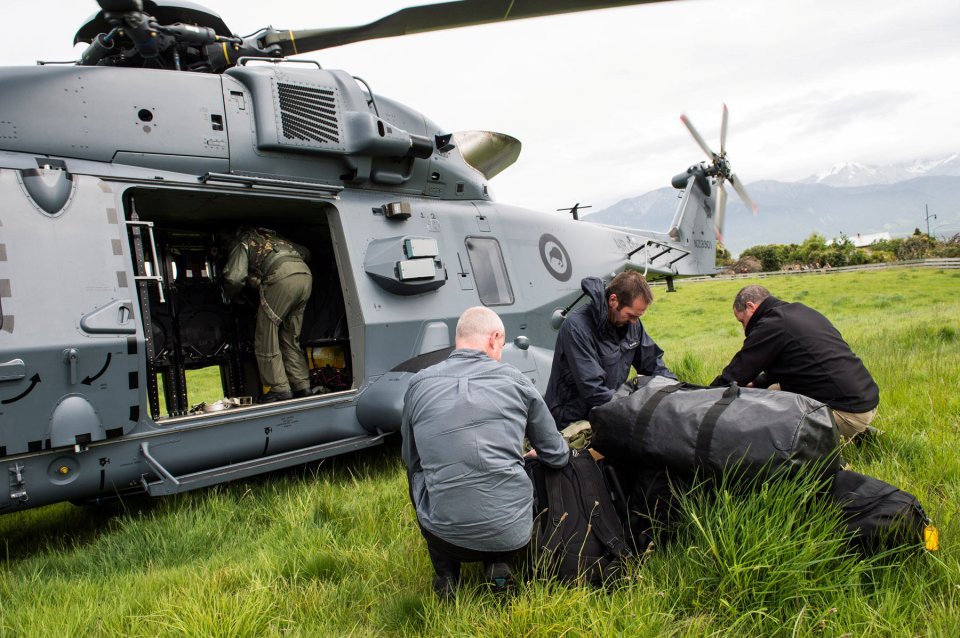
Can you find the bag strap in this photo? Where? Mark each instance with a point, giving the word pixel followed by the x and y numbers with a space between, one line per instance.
pixel 616 491
pixel 551 480
pixel 646 411
pixel 705 435
pixel 591 500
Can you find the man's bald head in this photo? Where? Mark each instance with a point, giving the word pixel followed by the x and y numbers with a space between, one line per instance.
pixel 480 328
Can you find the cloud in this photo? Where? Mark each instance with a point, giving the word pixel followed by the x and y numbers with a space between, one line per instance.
pixel 835 113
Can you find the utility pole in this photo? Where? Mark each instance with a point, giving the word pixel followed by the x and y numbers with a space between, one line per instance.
pixel 929 216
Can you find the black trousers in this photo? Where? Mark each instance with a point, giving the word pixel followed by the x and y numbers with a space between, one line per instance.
pixel 447 557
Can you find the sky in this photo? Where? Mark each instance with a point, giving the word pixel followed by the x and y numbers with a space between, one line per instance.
pixel 596 97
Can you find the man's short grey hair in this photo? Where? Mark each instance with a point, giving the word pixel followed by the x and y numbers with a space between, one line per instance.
pixel 477 323
pixel 753 294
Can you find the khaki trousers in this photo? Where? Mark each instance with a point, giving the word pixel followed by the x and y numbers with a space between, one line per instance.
pixel 853 423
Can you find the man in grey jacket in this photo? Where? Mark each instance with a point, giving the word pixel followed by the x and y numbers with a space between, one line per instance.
pixel 464 421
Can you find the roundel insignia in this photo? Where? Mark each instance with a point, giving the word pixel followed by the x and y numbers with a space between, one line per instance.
pixel 555 257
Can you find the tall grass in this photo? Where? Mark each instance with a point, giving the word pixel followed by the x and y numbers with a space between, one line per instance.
pixel 332 549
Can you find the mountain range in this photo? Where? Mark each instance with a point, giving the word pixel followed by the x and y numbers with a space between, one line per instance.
pixel 855 174
pixel 848 199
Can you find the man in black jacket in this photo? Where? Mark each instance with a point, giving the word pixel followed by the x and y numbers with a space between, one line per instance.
pixel 598 343
pixel 791 347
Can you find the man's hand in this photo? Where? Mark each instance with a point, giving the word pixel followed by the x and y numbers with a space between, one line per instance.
pixel 532 454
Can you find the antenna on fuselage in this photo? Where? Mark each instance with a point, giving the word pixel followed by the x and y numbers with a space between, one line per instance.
pixel 574 210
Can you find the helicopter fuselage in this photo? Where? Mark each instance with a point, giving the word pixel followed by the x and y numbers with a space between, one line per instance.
pixel 117 187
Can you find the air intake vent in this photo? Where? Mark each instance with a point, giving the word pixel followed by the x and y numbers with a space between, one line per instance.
pixel 308 114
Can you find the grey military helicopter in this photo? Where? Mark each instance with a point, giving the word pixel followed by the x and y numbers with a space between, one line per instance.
pixel 117 175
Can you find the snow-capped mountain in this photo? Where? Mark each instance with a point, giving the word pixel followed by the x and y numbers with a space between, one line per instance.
pixel 856 174
pixel 848 199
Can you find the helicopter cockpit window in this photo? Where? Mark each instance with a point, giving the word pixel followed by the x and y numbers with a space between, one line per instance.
pixel 489 271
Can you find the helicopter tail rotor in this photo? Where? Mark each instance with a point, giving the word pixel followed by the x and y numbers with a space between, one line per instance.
pixel 721 170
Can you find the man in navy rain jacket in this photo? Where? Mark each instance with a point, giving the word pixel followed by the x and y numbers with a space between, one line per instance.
pixel 598 343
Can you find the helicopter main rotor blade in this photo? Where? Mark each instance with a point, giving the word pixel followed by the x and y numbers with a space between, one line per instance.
pixel 703 144
pixel 723 131
pixel 121 5
pixel 742 192
pixel 434 17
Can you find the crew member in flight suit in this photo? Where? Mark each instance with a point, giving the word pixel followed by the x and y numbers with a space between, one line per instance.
pixel 277 268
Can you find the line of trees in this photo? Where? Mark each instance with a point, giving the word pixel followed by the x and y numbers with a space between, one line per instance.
pixel 816 252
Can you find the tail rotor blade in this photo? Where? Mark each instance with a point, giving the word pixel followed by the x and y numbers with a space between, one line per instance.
pixel 742 192
pixel 723 131
pixel 721 209
pixel 703 144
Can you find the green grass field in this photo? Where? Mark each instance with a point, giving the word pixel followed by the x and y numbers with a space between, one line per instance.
pixel 333 550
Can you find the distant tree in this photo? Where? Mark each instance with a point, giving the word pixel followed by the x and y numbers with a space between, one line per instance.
pixel 877 256
pixel 790 254
pixel 917 246
pixel 886 245
pixel 813 250
pixel 723 255
pixel 840 252
pixel 860 256
pixel 948 248
pixel 767 254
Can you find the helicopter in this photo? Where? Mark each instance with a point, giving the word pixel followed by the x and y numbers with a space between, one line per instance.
pixel 119 173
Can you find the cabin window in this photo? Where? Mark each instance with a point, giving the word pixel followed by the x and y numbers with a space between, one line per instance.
pixel 489 271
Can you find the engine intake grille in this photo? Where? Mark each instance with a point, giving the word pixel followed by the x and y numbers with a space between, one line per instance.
pixel 308 113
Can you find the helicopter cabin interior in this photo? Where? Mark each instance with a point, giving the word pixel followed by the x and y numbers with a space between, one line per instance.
pixel 199 344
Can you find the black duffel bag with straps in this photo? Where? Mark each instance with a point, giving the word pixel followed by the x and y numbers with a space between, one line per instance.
pixel 878 515
pixel 689 429
pixel 577 533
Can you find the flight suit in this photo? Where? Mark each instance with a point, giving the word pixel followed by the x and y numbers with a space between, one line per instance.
pixel 277 268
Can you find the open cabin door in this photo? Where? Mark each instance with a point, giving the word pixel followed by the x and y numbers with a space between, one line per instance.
pixel 199 347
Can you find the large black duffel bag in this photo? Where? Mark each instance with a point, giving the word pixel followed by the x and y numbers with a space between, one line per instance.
pixel 659 422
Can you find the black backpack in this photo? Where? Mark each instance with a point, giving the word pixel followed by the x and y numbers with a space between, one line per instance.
pixel 577 534
pixel 878 515
pixel 650 511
